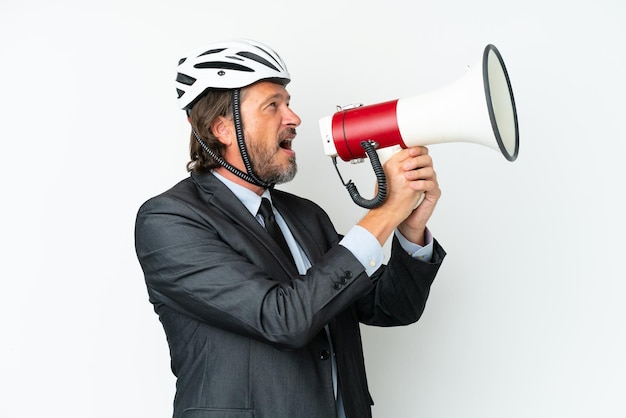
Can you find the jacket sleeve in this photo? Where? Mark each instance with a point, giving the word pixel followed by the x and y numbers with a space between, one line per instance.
pixel 401 288
pixel 214 271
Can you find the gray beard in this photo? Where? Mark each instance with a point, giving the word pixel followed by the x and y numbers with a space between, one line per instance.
pixel 275 175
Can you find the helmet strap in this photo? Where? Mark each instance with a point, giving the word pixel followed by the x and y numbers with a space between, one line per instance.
pixel 249 176
pixel 243 150
pixel 225 164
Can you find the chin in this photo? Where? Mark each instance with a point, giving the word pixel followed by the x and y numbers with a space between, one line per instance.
pixel 285 175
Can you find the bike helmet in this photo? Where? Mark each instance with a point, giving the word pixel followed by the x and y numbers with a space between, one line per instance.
pixel 227 65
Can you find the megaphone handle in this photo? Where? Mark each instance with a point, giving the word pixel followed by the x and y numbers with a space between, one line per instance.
pixel 381 194
pixel 385 153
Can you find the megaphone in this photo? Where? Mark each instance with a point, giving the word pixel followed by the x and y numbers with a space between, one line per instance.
pixel 477 108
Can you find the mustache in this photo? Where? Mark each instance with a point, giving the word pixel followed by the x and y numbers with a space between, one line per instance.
pixel 287 133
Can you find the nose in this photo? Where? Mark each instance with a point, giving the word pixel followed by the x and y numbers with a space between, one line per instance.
pixel 291 118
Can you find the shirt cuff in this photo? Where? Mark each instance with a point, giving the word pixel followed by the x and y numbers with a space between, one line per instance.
pixel 424 253
pixel 365 247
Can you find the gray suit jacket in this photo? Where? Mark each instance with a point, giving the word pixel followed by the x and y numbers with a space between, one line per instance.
pixel 245 330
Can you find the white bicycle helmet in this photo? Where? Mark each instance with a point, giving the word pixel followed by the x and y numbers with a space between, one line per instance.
pixel 227 65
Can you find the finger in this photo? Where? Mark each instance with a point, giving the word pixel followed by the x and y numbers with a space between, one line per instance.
pixel 418 150
pixel 422 173
pixel 418 162
pixel 427 186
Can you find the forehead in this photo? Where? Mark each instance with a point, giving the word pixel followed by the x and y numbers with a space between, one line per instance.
pixel 264 90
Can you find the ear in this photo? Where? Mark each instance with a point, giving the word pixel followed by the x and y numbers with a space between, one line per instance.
pixel 222 128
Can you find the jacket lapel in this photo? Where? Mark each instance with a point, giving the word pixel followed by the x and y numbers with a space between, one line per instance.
pixel 219 197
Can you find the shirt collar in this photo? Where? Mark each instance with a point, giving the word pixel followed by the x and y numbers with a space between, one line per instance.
pixel 250 200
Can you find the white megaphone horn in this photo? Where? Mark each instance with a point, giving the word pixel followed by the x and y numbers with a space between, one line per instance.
pixel 477 108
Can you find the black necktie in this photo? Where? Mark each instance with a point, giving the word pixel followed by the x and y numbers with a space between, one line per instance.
pixel 272 227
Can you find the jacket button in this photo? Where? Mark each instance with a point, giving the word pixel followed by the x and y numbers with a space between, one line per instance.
pixel 324 355
pixel 337 285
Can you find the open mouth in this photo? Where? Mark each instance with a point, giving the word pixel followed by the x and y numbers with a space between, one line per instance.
pixel 285 144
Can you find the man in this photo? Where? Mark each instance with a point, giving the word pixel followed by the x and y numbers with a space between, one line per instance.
pixel 254 330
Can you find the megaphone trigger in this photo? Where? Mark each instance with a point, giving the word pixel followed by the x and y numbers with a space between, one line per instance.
pixel 386 153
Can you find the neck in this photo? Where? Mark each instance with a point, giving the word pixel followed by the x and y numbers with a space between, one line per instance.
pixel 238 180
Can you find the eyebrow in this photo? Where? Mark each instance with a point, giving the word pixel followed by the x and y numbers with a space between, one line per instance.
pixel 278 96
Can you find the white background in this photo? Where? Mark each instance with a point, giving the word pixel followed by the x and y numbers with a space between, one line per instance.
pixel 526 318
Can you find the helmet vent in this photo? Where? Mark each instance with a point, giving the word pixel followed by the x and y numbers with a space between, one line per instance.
pixel 185 79
pixel 223 66
pixel 258 59
pixel 212 51
pixel 180 61
pixel 180 93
